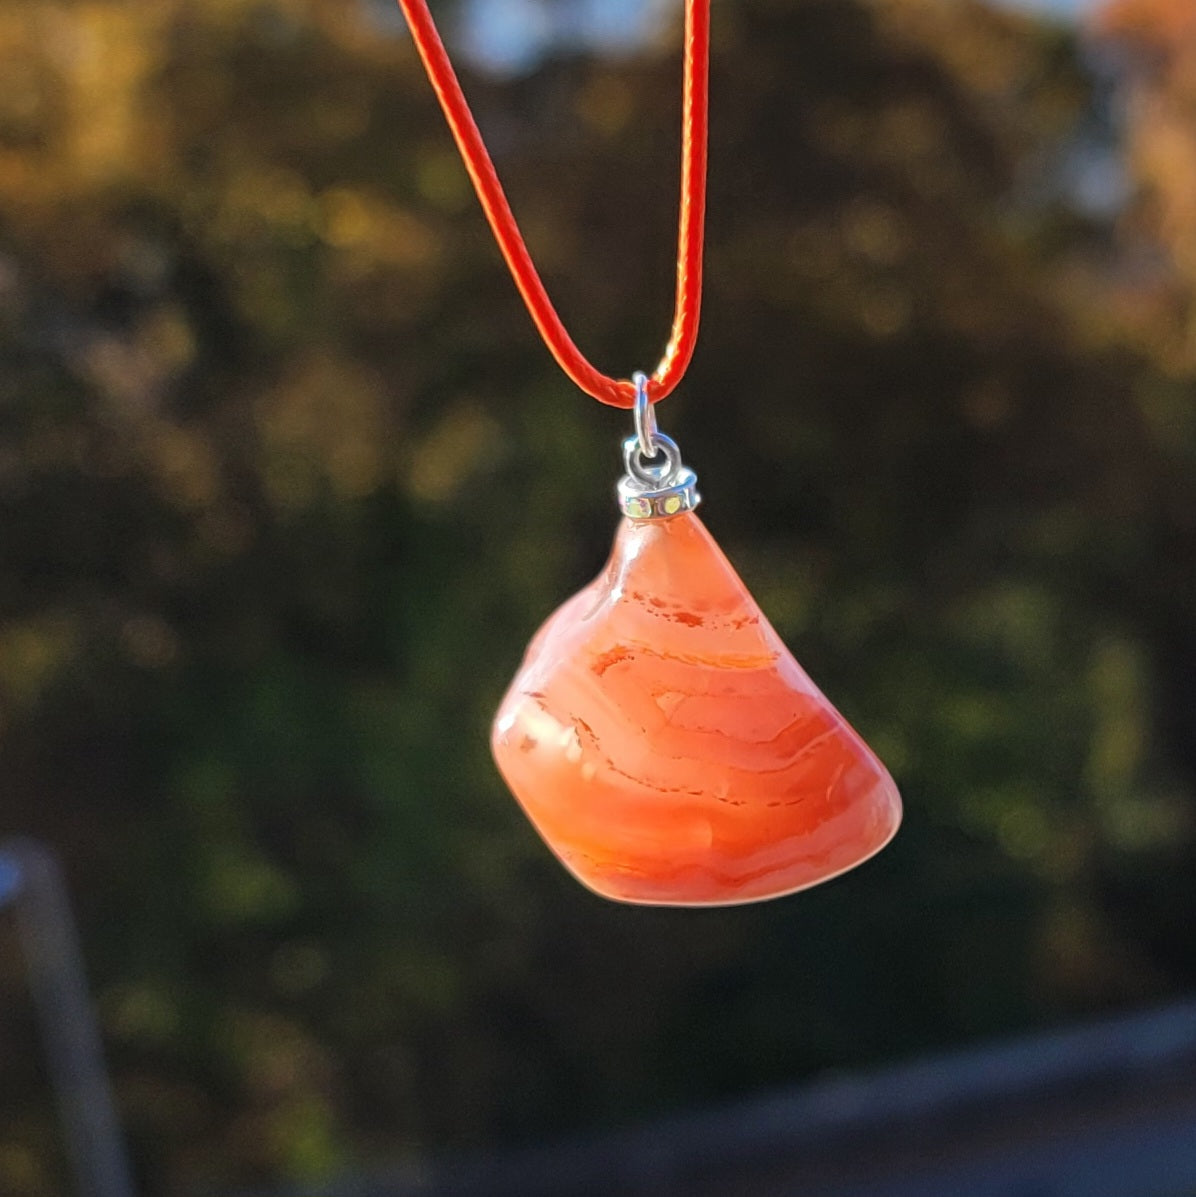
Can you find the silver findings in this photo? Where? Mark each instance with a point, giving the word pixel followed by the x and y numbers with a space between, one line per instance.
pixel 652 474
pixel 656 485
pixel 645 416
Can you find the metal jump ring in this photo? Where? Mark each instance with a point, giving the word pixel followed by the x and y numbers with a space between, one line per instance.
pixel 656 485
pixel 646 431
pixel 653 476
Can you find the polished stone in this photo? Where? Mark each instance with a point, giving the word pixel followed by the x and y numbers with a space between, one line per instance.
pixel 668 747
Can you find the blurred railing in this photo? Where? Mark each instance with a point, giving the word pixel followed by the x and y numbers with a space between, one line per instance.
pixel 31 885
pixel 1107 1110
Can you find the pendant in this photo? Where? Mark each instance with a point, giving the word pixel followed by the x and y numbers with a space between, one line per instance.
pixel 660 736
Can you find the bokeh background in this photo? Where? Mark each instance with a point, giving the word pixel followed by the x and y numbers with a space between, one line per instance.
pixel 287 480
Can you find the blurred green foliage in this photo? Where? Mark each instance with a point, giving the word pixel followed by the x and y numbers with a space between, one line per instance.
pixel 287 481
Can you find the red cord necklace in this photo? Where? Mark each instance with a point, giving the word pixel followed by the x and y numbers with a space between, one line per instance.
pixel 659 735
pixel 506 231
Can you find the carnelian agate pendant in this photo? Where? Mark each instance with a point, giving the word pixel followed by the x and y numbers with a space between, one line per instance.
pixel 664 741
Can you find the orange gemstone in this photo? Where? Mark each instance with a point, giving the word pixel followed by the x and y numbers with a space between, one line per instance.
pixel 669 748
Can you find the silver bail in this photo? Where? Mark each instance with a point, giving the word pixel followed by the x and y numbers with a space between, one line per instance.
pixel 653 489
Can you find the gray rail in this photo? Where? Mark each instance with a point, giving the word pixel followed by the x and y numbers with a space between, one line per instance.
pixel 31 884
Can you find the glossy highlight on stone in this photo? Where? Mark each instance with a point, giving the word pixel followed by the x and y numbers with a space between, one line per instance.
pixel 668 747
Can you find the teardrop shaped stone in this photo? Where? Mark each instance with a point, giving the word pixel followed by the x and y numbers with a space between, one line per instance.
pixel 668 747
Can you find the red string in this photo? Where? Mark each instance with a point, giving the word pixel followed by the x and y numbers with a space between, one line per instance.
pixel 677 354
